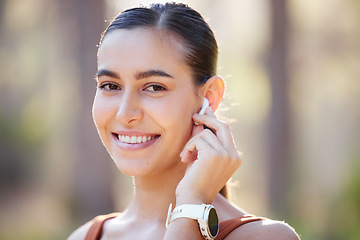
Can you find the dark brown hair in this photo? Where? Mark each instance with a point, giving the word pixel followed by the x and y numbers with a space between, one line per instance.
pixel 188 26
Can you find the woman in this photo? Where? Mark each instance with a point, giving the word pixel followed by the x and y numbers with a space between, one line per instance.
pixel 156 66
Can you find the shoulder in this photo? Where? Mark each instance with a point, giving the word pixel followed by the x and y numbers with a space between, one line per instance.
pixel 265 230
pixel 80 233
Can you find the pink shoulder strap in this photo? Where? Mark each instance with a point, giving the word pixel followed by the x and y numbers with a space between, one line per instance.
pixel 225 227
pixel 95 230
pixel 228 226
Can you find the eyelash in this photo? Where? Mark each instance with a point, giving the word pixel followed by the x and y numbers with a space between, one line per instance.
pixel 155 87
pixel 106 86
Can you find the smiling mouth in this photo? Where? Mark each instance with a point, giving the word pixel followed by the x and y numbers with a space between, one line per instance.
pixel 134 139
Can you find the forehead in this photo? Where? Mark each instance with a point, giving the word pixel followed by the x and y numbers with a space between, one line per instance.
pixel 141 45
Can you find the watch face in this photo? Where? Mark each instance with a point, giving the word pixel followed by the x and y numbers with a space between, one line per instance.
pixel 213 222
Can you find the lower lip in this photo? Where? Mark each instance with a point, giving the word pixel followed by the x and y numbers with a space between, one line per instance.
pixel 133 146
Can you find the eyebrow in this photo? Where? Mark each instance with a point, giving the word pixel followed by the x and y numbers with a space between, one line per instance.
pixel 104 72
pixel 138 76
pixel 152 73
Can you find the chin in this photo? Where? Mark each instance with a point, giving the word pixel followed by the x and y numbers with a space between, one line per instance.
pixel 133 167
pixel 137 167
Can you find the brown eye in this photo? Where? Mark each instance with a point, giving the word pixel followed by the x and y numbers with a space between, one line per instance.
pixel 110 87
pixel 155 88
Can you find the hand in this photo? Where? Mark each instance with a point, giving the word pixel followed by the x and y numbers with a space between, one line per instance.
pixel 212 159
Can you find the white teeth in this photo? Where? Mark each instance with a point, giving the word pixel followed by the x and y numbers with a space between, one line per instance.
pixel 134 139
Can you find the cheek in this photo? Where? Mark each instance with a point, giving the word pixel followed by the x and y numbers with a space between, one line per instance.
pixel 101 113
pixel 173 114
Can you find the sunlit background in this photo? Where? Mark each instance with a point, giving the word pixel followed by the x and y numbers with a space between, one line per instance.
pixel 292 70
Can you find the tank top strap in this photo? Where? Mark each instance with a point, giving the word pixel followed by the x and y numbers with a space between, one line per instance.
pixel 226 227
pixel 95 230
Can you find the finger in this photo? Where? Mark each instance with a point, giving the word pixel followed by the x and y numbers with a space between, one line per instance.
pixel 205 142
pixel 222 130
pixel 206 135
pixel 206 127
pixel 208 112
pixel 191 147
pixel 196 130
pixel 189 156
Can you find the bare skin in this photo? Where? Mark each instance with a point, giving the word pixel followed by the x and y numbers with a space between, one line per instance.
pixel 142 81
pixel 118 228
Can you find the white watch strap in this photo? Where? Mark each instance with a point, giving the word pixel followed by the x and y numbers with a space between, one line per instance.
pixel 191 211
pixel 188 211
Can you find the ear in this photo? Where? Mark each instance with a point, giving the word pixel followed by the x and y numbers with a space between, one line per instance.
pixel 213 90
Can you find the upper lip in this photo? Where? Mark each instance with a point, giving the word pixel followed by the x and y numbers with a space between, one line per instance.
pixel 134 133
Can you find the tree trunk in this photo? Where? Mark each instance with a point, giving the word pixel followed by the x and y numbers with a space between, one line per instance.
pixel 81 23
pixel 278 138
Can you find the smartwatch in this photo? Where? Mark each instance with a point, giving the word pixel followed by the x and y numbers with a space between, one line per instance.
pixel 206 216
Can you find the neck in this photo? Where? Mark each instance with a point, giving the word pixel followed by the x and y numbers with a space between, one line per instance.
pixel 153 194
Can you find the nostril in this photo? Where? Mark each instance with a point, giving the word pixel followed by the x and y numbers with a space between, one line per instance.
pixel 129 109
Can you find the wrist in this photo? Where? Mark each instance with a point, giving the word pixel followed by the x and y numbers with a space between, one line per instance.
pixel 191 198
pixel 181 200
pixel 204 214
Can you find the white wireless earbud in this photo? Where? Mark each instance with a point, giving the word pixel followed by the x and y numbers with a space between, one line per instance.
pixel 202 112
pixel 204 106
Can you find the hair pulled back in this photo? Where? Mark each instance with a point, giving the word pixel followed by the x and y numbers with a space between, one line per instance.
pixel 193 32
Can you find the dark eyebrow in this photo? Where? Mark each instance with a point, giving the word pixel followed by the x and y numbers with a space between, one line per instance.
pixel 141 75
pixel 104 72
pixel 152 73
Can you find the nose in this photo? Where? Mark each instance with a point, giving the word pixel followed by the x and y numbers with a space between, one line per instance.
pixel 129 110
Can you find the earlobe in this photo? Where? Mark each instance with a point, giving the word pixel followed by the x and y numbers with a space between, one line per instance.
pixel 213 90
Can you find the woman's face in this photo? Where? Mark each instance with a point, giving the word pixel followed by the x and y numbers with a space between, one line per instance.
pixel 144 101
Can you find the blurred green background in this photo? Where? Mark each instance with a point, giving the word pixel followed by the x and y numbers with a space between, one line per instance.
pixel 292 70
